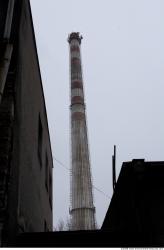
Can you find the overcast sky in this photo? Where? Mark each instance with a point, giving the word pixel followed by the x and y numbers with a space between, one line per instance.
pixel 123 69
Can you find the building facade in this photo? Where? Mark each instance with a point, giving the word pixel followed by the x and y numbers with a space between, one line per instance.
pixel 25 150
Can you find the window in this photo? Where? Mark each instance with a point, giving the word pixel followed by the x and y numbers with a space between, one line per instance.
pixel 40 141
pixel 50 189
pixel 48 180
pixel 46 174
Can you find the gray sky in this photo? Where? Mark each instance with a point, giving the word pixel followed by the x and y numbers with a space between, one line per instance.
pixel 123 69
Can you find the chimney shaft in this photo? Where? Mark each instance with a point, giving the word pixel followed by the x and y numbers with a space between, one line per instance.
pixel 82 209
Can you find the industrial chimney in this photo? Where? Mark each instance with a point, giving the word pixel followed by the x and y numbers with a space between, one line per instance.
pixel 82 209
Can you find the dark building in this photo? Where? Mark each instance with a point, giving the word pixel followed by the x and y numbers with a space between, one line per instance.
pixel 136 211
pixel 25 151
pixel 135 216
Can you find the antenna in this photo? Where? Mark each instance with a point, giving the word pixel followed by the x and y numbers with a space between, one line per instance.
pixel 114 167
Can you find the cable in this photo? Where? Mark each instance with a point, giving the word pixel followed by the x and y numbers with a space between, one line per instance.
pixel 99 190
pixel 61 163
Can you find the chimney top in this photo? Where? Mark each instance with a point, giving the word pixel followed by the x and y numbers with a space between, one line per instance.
pixel 75 35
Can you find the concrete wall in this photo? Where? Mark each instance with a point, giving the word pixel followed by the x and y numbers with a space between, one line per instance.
pixel 30 200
